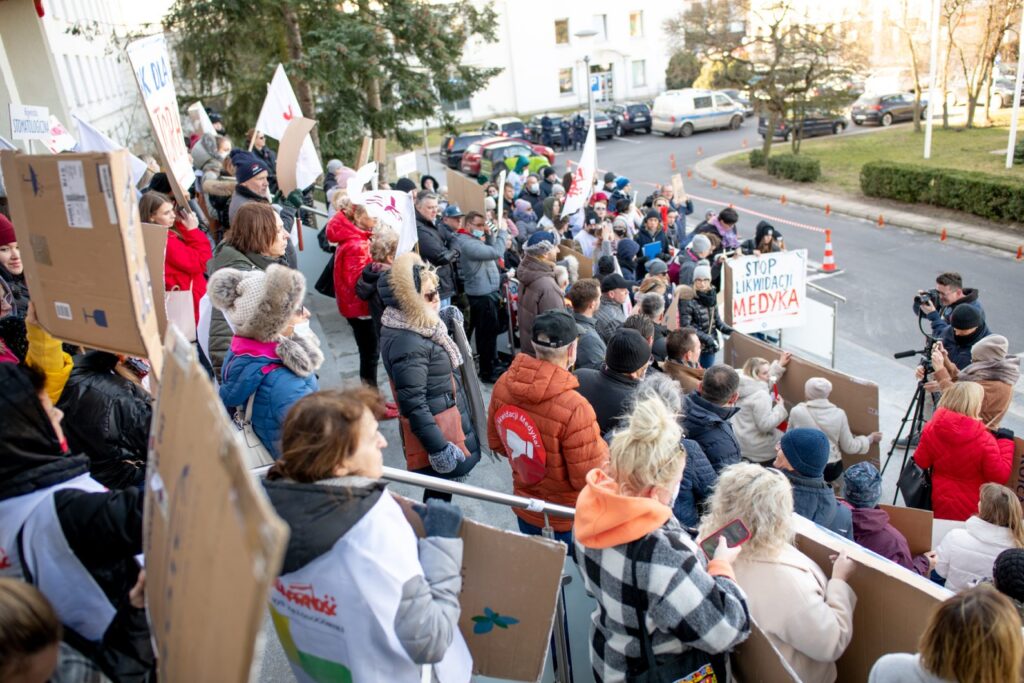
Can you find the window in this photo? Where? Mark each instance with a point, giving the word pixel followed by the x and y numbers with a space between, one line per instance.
pixel 601 26
pixel 703 102
pixel 456 105
pixel 636 24
pixel 639 73
pixel 561 31
pixel 722 101
pixel 565 81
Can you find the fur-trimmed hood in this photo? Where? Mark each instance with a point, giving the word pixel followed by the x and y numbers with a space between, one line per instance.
pixel 259 304
pixel 401 288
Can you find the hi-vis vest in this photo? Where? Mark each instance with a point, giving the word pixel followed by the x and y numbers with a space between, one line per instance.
pixel 335 617
pixel 45 557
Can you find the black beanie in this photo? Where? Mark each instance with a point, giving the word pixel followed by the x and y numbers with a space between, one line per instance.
pixel 627 351
pixel 1008 572
pixel 966 317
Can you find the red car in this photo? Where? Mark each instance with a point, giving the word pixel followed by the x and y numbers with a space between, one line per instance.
pixel 481 157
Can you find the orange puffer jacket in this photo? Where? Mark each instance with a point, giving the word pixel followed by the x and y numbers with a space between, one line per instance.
pixel 548 431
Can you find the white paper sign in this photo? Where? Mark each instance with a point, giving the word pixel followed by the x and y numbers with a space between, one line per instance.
pixel 152 67
pixel 29 122
pixel 60 139
pixel 769 291
pixel 405 164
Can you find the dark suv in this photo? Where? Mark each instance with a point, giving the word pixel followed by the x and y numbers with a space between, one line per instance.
pixel 533 131
pixel 885 110
pixel 452 146
pixel 813 124
pixel 630 117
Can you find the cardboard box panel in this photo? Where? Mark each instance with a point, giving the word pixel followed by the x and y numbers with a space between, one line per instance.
pixel 1016 481
pixel 586 265
pixel 914 524
pixel 859 398
pixel 84 251
pixel 757 661
pixel 155 238
pixel 464 191
pixel 288 153
pixel 893 604
pixel 213 544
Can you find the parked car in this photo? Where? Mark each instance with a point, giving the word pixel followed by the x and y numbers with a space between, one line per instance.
pixel 508 126
pixel 891 79
pixel 630 117
pixel 885 110
pixel 738 97
pixel 683 112
pixel 533 132
pixel 605 125
pixel 453 146
pixel 1002 93
pixel 481 157
pixel 811 125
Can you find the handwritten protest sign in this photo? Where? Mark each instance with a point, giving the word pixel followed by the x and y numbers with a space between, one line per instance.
pixel 769 291
pixel 152 67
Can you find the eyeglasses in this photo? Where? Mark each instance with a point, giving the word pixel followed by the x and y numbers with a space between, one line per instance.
pixel 430 296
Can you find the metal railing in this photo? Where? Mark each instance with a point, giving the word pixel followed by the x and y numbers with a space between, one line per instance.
pixel 563 673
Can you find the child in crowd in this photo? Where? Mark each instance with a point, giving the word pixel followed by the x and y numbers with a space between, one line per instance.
pixel 701 313
pixel 757 424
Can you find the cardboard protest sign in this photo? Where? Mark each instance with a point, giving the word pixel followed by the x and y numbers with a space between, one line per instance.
pixel 280 108
pixel 155 239
pixel 364 153
pixel 201 122
pixel 756 660
pixel 29 122
pixel 858 397
pixel 464 191
pixel 288 153
pixel 586 264
pixel 82 244
pixel 914 524
pixel 768 291
pixel 1016 481
pixel 678 189
pixel 509 586
pixel 59 140
pixel 213 544
pixel 405 164
pixel 893 603
pixel 152 66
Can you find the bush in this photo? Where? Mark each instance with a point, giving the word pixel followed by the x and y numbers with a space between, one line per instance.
pixel 794 167
pixel 981 194
pixel 756 158
pixel 1018 153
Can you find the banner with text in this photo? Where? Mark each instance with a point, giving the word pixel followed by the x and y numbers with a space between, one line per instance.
pixel 769 291
pixel 152 66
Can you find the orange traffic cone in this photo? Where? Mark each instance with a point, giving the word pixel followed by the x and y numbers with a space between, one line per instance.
pixel 714 183
pixel 689 173
pixel 746 191
pixel 942 238
pixel 672 159
pixel 782 199
pixel 1020 253
pixel 700 151
pixel 881 221
pixel 828 264
pixel 828 209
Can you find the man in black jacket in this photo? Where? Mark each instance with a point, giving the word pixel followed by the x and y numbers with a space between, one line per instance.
pixel 433 247
pixel 952 293
pixel 610 390
pixel 585 297
pixel 707 412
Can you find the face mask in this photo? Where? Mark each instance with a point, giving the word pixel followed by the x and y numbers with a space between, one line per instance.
pixel 302 329
pixel 478 233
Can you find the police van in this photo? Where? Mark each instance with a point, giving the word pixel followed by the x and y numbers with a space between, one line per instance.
pixel 682 112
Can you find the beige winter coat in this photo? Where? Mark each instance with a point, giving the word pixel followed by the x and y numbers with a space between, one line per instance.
pixel 755 424
pixel 807 617
pixel 820 413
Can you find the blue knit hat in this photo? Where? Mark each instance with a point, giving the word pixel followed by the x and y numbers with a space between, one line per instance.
pixel 621 182
pixel 541 236
pixel 627 249
pixel 806 450
pixel 247 165
pixel 863 485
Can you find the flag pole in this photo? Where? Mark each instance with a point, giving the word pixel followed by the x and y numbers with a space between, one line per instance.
pixel 1011 143
pixel 252 140
pixel 932 75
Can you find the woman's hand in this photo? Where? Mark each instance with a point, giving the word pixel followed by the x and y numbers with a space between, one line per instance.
pixel 842 566
pixel 724 552
pixel 785 358
pixel 188 219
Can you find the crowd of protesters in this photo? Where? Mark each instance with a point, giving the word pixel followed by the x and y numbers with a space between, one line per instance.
pixel 611 399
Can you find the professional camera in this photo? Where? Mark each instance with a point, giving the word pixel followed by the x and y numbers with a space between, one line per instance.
pixel 926 356
pixel 930 295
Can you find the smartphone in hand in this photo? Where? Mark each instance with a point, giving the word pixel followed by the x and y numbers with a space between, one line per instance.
pixel 735 532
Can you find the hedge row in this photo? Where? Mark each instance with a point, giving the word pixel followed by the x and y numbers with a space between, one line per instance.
pixel 981 194
pixel 794 167
pixel 756 158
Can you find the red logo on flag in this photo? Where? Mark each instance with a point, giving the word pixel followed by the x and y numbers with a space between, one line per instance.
pixel 523 443
pixel 288 115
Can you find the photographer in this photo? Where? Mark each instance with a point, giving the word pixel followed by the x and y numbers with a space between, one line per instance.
pixel 949 293
pixel 966 328
pixel 991 367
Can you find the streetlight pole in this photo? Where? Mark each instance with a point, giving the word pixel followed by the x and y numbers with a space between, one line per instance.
pixel 590 89
pixel 1016 95
pixel 932 76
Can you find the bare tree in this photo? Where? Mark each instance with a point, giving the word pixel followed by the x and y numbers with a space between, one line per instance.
pixel 910 27
pixel 953 12
pixel 997 16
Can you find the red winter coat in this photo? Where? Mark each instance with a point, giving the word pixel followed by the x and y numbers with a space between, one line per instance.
pixel 349 260
pixel 188 252
pixel 964 455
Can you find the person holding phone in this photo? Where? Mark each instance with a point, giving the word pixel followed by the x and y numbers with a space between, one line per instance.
pixel 807 616
pixel 188 249
pixel 643 568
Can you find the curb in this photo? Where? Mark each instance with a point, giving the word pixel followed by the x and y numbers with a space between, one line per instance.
pixel 708 170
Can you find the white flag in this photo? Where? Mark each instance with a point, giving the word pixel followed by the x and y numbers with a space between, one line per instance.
pixel 280 107
pixel 583 177
pixel 60 139
pixel 91 140
pixel 392 208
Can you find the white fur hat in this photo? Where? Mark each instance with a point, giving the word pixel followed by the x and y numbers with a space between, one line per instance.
pixel 258 304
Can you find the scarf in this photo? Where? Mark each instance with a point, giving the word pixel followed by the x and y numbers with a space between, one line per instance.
pixel 397 320
pixel 249 194
pixel 729 238
pixel 1005 370
pixel 708 298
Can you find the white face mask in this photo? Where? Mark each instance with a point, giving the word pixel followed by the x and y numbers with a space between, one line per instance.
pixel 302 329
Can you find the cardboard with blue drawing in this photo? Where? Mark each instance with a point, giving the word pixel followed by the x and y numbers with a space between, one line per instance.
pixel 509 586
pixel 77 222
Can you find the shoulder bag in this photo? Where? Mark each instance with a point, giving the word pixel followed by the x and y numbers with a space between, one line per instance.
pixel 916 485
pixel 449 421
pixel 254 453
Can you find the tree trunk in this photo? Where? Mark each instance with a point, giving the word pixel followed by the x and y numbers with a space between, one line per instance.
pixel 293 36
pixel 773 123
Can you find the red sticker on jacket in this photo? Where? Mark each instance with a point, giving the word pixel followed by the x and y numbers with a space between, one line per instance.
pixel 523 443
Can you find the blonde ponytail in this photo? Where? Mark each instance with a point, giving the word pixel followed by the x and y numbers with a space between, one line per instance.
pixel 1000 506
pixel 646 452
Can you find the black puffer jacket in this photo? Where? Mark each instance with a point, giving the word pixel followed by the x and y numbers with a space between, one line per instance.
pixel 366 289
pixel 435 251
pixel 103 530
pixel 701 313
pixel 107 418
pixel 708 424
pixel 421 372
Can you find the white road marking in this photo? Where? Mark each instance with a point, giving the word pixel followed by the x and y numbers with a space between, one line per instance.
pixel 632 142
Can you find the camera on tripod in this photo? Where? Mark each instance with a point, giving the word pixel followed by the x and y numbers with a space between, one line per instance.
pixel 925 353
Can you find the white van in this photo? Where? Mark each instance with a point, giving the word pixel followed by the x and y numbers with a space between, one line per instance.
pixel 681 112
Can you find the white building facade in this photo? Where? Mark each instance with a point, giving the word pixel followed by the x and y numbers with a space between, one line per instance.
pixel 72 61
pixel 543 60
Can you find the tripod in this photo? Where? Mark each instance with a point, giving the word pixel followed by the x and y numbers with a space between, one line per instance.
pixel 915 416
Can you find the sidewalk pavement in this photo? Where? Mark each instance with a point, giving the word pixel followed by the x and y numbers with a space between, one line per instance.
pixel 976 234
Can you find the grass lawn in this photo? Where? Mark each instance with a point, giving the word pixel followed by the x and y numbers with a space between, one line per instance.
pixel 842 156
